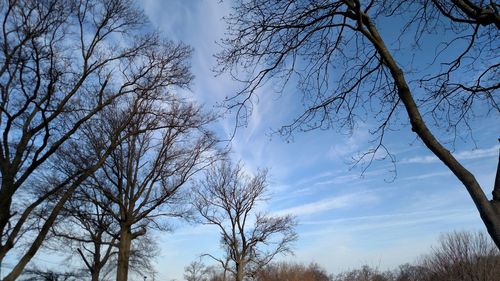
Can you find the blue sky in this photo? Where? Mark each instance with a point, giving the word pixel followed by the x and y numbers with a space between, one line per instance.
pixel 346 218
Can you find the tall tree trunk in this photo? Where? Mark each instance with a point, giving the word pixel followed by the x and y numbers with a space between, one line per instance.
pixel 5 208
pixel 496 187
pixel 124 253
pixel 240 271
pixel 96 268
pixel 489 212
pixel 95 275
pixel 97 263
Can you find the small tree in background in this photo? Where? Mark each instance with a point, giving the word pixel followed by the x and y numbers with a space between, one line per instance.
pixel 195 271
pixel 227 198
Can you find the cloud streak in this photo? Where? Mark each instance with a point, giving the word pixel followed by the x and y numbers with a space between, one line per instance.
pixel 428 175
pixel 461 155
pixel 335 202
pixel 364 223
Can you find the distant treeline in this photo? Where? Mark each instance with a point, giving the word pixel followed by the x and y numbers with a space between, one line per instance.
pixel 463 256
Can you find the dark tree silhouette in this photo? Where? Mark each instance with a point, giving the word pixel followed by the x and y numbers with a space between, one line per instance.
pixel 346 70
pixel 86 233
pixel 164 145
pixel 62 63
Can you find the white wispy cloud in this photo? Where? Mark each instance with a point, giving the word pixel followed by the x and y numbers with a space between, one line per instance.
pixel 351 144
pixel 390 220
pixel 353 176
pixel 428 175
pixel 461 155
pixel 340 179
pixel 335 202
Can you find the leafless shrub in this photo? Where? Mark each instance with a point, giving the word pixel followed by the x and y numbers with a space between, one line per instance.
pixel 463 256
pixel 292 272
pixel 366 273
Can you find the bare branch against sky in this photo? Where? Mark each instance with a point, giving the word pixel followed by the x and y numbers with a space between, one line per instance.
pixel 345 70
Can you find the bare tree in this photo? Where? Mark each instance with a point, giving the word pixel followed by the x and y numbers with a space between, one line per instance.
pixel 84 227
pixel 195 271
pixel 227 198
pixel 141 179
pixel 90 234
pixel 346 70
pixel 61 64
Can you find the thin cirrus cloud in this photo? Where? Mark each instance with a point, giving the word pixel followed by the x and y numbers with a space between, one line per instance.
pixel 353 177
pixel 335 202
pixel 461 155
pixel 353 143
pixel 428 175
pixel 363 223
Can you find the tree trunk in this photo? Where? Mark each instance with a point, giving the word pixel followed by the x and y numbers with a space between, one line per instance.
pixel 496 187
pixel 96 270
pixel 488 211
pixel 5 206
pixel 124 253
pixel 240 271
pixel 95 275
